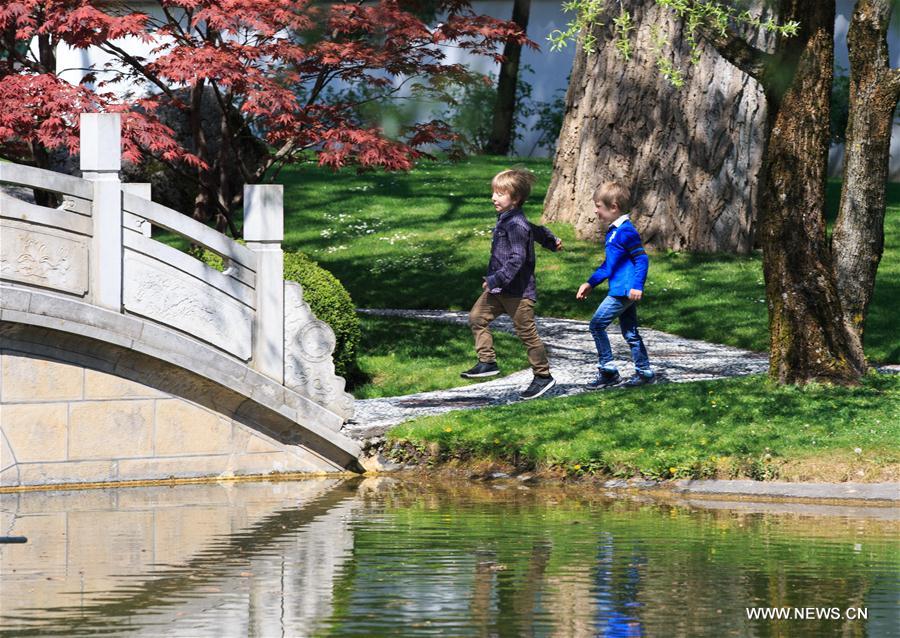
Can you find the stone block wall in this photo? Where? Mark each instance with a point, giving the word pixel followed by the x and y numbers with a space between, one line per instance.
pixel 62 422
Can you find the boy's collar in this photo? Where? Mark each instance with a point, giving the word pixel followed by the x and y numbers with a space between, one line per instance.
pixel 621 220
pixel 511 211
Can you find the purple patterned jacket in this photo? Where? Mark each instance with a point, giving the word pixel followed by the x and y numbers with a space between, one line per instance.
pixel 511 267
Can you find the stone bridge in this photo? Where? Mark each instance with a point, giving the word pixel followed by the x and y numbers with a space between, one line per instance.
pixel 126 359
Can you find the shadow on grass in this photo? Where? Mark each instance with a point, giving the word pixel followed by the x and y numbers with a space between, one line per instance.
pixel 405 356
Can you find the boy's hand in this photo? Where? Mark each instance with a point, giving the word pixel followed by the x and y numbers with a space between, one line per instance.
pixel 484 285
pixel 635 295
pixel 583 291
pixel 559 244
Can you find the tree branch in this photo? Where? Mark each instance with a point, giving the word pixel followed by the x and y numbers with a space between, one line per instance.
pixel 285 150
pixel 137 66
pixel 736 50
pixel 225 105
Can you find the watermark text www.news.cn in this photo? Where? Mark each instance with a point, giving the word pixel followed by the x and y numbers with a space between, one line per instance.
pixel 807 613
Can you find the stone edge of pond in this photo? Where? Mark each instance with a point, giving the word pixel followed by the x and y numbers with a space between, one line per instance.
pixel 887 492
pixel 882 493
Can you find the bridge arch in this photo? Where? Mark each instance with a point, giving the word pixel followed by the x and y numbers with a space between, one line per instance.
pixel 110 339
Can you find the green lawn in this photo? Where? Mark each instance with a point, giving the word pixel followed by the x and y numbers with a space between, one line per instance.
pixel 746 427
pixel 403 356
pixel 422 239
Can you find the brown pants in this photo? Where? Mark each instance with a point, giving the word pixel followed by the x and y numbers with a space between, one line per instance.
pixel 487 308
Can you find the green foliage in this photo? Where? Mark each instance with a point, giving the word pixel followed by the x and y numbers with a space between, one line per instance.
pixel 549 120
pixel 695 14
pixel 326 296
pixel 470 110
pixel 331 303
pixel 378 106
pixel 840 105
pixel 587 18
pixel 659 43
pixel 466 104
pixel 623 25
pixel 735 427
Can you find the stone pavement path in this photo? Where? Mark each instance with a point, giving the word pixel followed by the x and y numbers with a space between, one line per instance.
pixel 573 362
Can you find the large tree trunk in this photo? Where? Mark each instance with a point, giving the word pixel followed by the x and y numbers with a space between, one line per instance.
pixel 691 155
pixel 858 238
pixel 500 142
pixel 809 339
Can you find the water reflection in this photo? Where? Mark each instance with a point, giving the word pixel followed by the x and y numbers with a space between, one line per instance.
pixel 379 557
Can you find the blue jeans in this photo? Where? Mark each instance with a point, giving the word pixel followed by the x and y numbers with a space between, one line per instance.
pixel 626 310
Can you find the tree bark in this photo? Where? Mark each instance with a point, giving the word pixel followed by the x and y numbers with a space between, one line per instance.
pixel 691 155
pixel 203 202
pixel 39 153
pixel 500 142
pixel 858 238
pixel 809 339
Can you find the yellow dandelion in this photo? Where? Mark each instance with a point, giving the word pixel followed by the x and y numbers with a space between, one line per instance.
pixel 448 429
pixel 672 470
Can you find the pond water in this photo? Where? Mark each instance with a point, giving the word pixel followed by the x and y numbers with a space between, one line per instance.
pixel 385 557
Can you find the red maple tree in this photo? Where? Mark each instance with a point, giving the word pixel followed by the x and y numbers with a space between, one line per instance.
pixel 272 74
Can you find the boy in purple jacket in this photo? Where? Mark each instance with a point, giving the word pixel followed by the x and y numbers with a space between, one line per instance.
pixel 509 286
pixel 626 267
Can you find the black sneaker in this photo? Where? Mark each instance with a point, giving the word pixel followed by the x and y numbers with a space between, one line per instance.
pixel 481 369
pixel 604 379
pixel 539 385
pixel 640 379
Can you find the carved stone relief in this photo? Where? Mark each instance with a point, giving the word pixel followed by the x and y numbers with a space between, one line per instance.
pixel 162 293
pixel 308 345
pixel 43 257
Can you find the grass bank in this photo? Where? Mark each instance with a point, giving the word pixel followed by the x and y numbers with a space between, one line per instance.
pixel 421 240
pixel 732 428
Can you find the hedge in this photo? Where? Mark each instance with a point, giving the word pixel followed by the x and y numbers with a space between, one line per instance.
pixel 331 303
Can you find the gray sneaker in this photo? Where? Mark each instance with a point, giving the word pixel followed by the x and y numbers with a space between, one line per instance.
pixel 604 379
pixel 481 369
pixel 539 385
pixel 640 379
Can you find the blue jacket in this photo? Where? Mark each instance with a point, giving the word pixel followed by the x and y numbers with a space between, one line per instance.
pixel 626 261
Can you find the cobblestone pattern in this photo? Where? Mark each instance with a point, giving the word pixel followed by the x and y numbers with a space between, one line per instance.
pixel 573 362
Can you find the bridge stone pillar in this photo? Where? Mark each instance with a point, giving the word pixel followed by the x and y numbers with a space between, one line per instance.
pixel 263 232
pixel 101 159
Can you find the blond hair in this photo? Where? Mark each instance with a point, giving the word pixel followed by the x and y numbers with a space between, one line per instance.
pixel 515 182
pixel 613 193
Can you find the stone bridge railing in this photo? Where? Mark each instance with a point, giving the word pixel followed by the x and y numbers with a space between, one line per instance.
pixel 96 249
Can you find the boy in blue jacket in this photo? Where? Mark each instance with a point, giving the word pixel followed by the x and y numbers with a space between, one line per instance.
pixel 625 266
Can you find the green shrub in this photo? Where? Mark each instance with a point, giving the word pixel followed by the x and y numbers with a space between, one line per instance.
pixel 331 303
pixel 327 297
